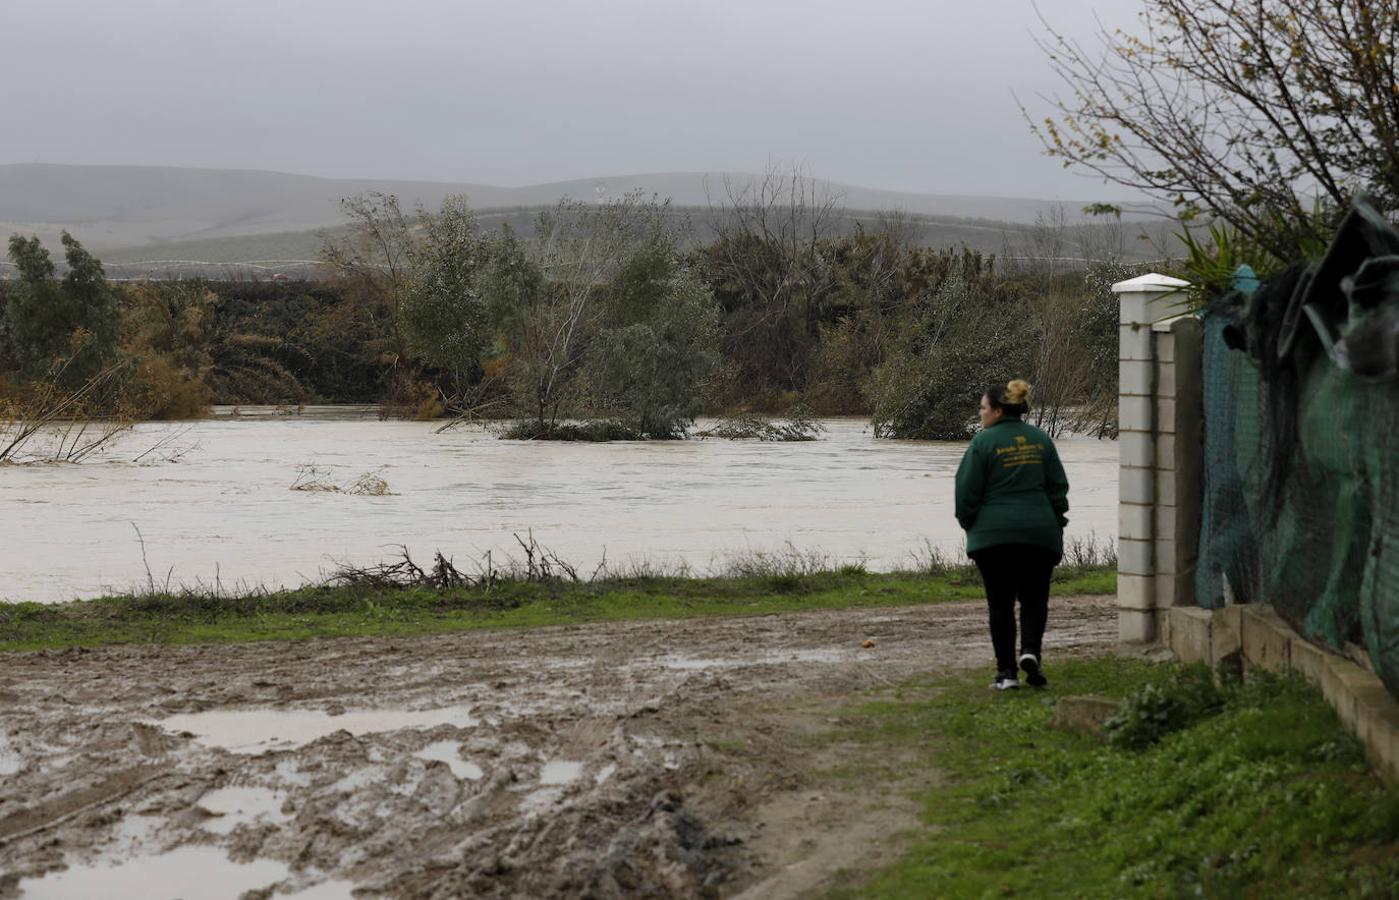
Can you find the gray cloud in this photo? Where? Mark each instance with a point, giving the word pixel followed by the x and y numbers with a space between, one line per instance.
pixel 886 93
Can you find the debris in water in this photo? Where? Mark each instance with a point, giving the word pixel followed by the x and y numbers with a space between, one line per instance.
pixel 314 479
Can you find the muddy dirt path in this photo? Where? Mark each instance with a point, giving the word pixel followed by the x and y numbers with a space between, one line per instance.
pixel 627 759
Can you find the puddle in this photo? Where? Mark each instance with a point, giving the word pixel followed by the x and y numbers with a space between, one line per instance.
pixel 357 780
pixel 767 658
pixel 552 780
pixel 449 752
pixel 184 873
pixel 560 771
pixel 695 663
pixel 291 774
pixel 242 806
pixel 538 800
pixel 379 776
pixel 605 773
pixel 10 761
pixel 326 890
pixel 260 730
pixel 824 654
pixel 134 836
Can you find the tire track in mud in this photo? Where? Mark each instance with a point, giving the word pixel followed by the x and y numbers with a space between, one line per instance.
pixel 660 758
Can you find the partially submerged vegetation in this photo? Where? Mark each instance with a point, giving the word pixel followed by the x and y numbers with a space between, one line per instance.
pixel 604 321
pixel 797 424
pixel 317 480
pixel 536 589
pixel 1259 792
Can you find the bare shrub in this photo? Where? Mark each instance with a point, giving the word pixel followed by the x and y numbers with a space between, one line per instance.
pixel 170 448
pixel 315 479
pixel 1089 551
pixel 799 424
pixel 540 565
pixel 405 573
pixel 370 484
pixel 48 422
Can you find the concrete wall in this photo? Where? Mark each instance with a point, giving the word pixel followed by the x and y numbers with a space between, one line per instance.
pixel 1255 636
pixel 1159 410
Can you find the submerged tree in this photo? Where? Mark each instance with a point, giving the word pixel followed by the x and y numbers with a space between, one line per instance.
pixel 772 268
pixel 659 343
pixel 579 250
pixel 443 313
pixel 370 264
pixel 967 338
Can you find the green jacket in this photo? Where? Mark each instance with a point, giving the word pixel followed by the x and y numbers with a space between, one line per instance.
pixel 1011 488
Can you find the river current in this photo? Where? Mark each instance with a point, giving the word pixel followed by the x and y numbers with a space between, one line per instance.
pixel 215 501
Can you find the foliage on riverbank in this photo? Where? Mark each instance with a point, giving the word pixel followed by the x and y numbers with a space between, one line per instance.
pixel 408 606
pixel 612 312
pixel 1267 795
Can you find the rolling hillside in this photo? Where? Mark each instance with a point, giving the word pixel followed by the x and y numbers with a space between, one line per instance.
pixel 149 220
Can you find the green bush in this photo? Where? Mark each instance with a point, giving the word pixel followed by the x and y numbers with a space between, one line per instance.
pixel 1158 709
pixel 70 323
pixel 966 339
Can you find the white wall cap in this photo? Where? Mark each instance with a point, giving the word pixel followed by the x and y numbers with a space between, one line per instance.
pixel 1151 283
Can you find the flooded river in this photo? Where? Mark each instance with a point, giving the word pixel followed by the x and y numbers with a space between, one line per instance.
pixel 224 508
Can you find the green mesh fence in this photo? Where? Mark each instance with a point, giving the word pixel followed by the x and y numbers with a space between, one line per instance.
pixel 1301 484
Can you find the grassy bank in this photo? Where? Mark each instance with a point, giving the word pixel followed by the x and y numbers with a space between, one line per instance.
pixel 1257 792
pixel 368 608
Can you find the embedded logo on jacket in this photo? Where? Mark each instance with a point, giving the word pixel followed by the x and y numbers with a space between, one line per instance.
pixel 1023 453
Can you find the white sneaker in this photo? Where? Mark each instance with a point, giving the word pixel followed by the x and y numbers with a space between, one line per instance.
pixel 1006 682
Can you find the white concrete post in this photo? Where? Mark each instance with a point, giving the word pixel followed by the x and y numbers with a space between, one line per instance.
pixel 1144 302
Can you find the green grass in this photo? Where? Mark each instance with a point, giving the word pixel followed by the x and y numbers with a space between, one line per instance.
pixel 198 617
pixel 1267 797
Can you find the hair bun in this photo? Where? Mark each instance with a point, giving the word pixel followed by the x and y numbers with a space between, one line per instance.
pixel 1017 392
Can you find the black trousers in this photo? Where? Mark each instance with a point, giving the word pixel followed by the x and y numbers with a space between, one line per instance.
pixel 1016 572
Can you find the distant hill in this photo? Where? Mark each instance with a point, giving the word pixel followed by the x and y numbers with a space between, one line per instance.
pixel 294 253
pixel 152 207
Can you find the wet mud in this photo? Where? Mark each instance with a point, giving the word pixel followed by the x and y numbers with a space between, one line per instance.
pixel 657 759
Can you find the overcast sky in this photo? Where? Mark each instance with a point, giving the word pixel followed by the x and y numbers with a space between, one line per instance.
pixel 903 94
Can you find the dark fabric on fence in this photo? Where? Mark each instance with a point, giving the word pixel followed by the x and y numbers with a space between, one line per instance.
pixel 1301 505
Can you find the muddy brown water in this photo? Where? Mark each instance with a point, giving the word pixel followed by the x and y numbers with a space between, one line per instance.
pixel 668 759
pixel 223 511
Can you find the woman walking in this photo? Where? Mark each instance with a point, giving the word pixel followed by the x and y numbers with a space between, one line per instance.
pixel 1012 497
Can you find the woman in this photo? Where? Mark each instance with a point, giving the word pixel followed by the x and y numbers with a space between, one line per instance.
pixel 1011 499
